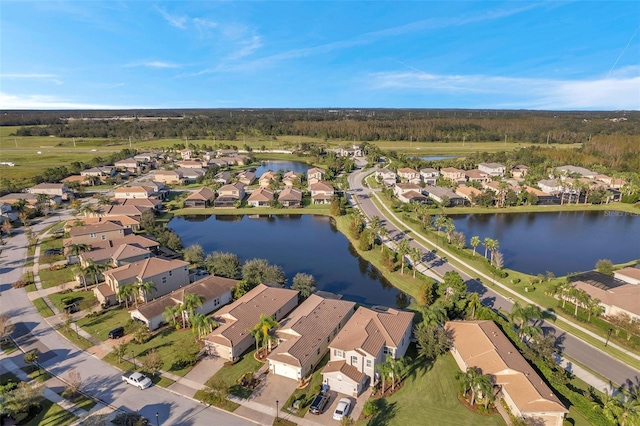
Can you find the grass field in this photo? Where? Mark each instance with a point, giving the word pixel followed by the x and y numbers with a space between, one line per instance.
pixel 430 392
pixel 81 297
pixel 99 326
pixel 42 307
pixel 53 278
pixel 52 415
pixel 231 374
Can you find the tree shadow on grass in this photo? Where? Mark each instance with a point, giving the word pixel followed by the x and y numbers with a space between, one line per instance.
pixel 386 412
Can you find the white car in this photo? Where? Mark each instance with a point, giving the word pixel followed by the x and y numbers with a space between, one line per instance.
pixel 342 409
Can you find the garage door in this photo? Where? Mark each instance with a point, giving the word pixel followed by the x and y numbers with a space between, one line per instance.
pixel 286 371
pixel 341 386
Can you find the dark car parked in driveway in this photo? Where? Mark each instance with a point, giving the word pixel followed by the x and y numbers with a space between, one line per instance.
pixel 116 333
pixel 319 403
pixel 53 251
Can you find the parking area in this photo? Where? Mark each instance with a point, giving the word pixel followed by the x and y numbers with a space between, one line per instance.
pixel 326 418
pixel 273 387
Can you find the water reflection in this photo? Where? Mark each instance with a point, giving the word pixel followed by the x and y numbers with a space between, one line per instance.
pixel 299 243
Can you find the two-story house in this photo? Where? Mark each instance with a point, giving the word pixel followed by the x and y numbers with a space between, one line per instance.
pixel 186 153
pixel 51 189
pixel 409 175
pixel 477 175
pixel 492 169
pixel 168 176
pixel 232 337
pixel 246 177
pixel 166 275
pixel 455 175
pixel 130 165
pixel 429 176
pixel 202 198
pixel 304 336
pixel 365 341
pixel 321 193
pixel 229 194
pixel 190 164
pixel 290 197
pixel 131 192
pixel 291 178
pixel 266 178
pixel 89 234
pixel 315 175
pixel 386 176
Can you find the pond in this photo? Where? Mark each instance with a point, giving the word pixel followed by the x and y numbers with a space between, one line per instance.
pixel 275 165
pixel 560 242
pixel 298 243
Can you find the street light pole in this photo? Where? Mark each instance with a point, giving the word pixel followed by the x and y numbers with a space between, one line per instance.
pixel 157 421
pixel 608 336
pixel 277 418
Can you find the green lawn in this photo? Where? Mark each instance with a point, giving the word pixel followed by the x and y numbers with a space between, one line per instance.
pixel 83 298
pixel 231 374
pixel 50 243
pixel 74 338
pixel 53 278
pixel 100 325
pixel 8 347
pixel 430 392
pixel 42 307
pixel 307 394
pixel 81 401
pixel 51 415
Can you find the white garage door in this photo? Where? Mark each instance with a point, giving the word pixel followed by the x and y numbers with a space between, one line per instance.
pixel 286 371
pixel 345 387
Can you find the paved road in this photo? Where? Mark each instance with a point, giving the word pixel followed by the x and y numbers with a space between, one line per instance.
pixel 101 380
pixel 574 348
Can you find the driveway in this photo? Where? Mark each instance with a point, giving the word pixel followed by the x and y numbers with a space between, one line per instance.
pixel 273 388
pixel 198 376
pixel 357 404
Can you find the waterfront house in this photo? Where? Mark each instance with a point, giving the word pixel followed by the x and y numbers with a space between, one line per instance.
pixel 315 175
pixel 261 197
pixel 290 197
pixel 201 198
pixel 444 196
pixel 321 193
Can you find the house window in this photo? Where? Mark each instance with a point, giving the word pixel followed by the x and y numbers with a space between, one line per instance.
pixel 170 273
pixel 164 280
pixel 318 351
pixel 368 363
pixel 92 235
pixel 103 237
pixel 338 353
pixel 354 360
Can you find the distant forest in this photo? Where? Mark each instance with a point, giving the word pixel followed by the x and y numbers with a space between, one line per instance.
pixel 366 125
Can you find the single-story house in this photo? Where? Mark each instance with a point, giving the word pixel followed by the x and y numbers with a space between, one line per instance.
pixel 223 178
pixel 550 186
pixel 190 164
pixel 567 170
pixel 52 189
pixel 115 256
pixel 100 171
pixel 191 175
pixel 364 342
pixel 630 275
pixel 304 336
pixel 266 178
pixel 146 203
pixel 413 197
pixel 482 345
pixel 441 194
pixel 261 197
pixel 467 192
pixel 217 292
pixel 232 338
pixel 203 197
pixel 290 197
pixel 30 199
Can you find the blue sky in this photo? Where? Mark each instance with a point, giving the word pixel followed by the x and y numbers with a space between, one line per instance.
pixel 393 54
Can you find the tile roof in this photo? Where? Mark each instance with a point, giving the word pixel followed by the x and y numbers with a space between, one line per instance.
pixel 145 268
pixel 306 329
pixel 625 296
pixel 202 194
pixel 321 186
pixel 629 272
pixel 290 194
pixel 94 229
pixel 209 287
pixel 481 344
pixel 237 318
pixel 341 366
pixel 261 194
pixel 370 330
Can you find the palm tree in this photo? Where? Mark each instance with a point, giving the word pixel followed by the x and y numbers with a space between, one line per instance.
pixel 126 291
pixel 487 244
pixel 94 269
pixel 475 242
pixel 580 297
pixel 80 272
pixel 594 308
pixel 403 248
pixel 20 204
pixel 383 233
pixel 385 372
pixel 435 314
pixel 146 288
pixel 449 228
pixel 76 249
pixel 473 302
pixel 493 247
pixel 266 325
pixel 470 381
pixel 202 325
pixel 190 302
pixel 86 210
pixel 171 313
pixel 609 406
pixel 440 222
pixel 256 332
pixel 375 222
pixel 415 254
pixel 398 368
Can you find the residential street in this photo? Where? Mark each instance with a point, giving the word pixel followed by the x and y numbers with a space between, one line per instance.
pixel 101 380
pixel 575 348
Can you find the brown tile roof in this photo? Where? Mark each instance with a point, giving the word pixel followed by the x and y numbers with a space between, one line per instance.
pixel 481 344
pixel 476 174
pixel 120 220
pixel 94 229
pixel 407 170
pixel 125 189
pixel 202 194
pixel 48 186
pixel 370 330
pixel 308 327
pixel 630 272
pixel 243 314
pixel 321 186
pixel 626 296
pixel 409 186
pixel 467 191
pixel 290 194
pixel 127 251
pixel 348 370
pixel 105 290
pixel 209 287
pixel 413 195
pixel 145 268
pixel 261 194
pixel 536 191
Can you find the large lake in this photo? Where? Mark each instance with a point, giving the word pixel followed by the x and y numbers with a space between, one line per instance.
pixel 560 242
pixel 298 243
pixel 287 166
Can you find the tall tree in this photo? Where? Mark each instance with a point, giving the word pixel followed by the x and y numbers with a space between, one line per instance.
pixel 125 292
pixel 223 264
pixel 171 313
pixel 403 248
pixel 147 287
pixel 473 303
pixel 194 254
pixel 266 325
pixel 190 302
pixel 304 283
pixel 415 254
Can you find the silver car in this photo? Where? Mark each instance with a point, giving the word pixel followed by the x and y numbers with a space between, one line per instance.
pixel 342 409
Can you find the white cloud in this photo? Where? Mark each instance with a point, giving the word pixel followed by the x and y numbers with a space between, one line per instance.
pixel 173 20
pixel 32 76
pixel 621 91
pixel 9 101
pixel 155 64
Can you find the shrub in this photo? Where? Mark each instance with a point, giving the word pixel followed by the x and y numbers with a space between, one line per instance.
pixel 19 284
